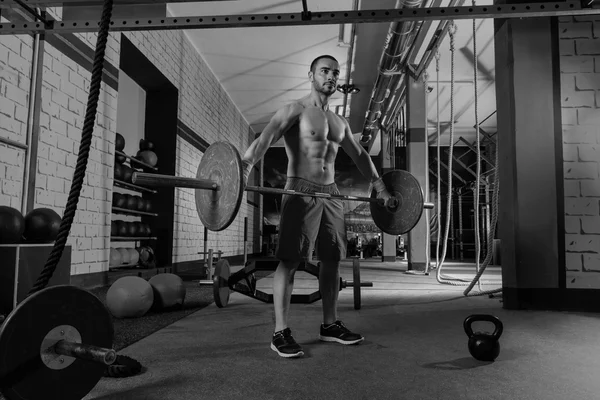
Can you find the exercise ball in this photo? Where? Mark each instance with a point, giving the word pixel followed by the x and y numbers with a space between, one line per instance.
pixel 169 290
pixel 119 142
pixel 115 258
pixel 146 144
pixel 148 156
pixel 124 255
pixel 127 172
pixel 146 256
pixel 12 225
pixel 134 256
pixel 41 225
pixel 129 297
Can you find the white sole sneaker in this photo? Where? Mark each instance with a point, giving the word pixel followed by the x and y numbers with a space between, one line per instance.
pixel 334 339
pixel 293 355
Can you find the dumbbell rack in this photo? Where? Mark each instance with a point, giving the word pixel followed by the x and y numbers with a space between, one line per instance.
pixel 125 211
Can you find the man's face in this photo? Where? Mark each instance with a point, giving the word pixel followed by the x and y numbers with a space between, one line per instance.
pixel 325 76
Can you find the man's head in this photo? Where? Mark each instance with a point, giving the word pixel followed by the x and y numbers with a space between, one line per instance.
pixel 324 73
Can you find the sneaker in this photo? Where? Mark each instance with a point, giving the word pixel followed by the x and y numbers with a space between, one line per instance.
pixel 337 332
pixel 285 345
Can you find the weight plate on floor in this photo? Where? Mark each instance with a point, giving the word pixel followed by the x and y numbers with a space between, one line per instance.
pixel 221 283
pixel 26 372
pixel 356 283
pixel 406 188
pixel 221 163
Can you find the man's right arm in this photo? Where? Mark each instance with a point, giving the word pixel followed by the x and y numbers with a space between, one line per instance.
pixel 283 119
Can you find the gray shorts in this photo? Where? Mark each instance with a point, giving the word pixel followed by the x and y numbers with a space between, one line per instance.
pixel 304 219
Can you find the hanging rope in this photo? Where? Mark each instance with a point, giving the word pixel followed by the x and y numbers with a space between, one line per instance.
pixel 439 160
pixel 84 152
pixel 479 271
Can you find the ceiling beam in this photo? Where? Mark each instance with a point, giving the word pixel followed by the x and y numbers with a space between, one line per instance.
pixel 525 10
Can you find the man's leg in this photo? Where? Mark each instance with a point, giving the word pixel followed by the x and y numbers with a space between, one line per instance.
pixel 329 286
pixel 283 285
pixel 332 248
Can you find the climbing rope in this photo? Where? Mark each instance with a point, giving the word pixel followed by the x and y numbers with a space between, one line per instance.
pixel 440 277
pixel 84 151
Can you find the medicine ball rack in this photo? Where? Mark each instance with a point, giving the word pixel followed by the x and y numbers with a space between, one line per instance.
pixel 125 211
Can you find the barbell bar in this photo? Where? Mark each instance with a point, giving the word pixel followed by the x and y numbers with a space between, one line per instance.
pixel 157 180
pixel 219 190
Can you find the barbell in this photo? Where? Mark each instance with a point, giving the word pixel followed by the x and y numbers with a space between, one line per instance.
pixel 56 344
pixel 220 189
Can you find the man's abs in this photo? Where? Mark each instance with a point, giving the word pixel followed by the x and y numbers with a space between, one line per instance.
pixel 312 145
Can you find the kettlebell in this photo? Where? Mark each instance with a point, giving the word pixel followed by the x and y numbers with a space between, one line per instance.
pixel 482 345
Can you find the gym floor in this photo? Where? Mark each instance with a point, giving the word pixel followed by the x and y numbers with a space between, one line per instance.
pixel 415 348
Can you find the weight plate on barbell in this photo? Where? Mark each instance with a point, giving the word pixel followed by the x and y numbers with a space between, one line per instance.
pixel 24 375
pixel 406 188
pixel 221 283
pixel 356 284
pixel 221 163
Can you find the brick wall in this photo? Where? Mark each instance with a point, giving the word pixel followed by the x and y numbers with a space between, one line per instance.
pixel 16 53
pixel 204 106
pixel 580 74
pixel 207 109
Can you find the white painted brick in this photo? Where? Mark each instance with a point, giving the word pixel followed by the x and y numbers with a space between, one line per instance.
pixel 590 188
pixel 588 116
pixel 51 78
pixel 59 98
pixel 591 262
pixel 60 199
pixel 574 261
pixel 14 93
pixel 589 153
pixel 7 107
pixel 56 184
pixel 581 170
pixel 77 257
pixel 11 188
pixel 579 206
pixel 578 98
pixel 576 30
pixel 587 81
pixel 566 47
pixel 44 197
pixel 590 224
pixel 570 152
pixel 572 188
pixel 58 156
pixel 581 134
pixel 587 47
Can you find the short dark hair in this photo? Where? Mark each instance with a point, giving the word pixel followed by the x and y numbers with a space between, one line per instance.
pixel 316 60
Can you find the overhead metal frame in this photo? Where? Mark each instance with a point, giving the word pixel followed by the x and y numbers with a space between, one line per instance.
pixel 529 10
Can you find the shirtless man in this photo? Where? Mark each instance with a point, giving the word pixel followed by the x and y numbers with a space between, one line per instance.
pixel 312 135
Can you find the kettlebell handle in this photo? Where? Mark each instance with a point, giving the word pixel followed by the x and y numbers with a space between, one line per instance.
pixel 486 318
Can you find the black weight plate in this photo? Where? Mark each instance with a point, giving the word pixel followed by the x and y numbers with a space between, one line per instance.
pixel 221 283
pixel 406 188
pixel 356 283
pixel 221 163
pixel 23 375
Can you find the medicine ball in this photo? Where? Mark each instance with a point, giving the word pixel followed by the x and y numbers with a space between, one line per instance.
pixel 129 297
pixel 146 144
pixel 146 257
pixel 117 199
pixel 149 157
pixel 121 228
pixel 120 158
pixel 125 258
pixel 115 258
pixel 131 229
pixel 119 142
pixel 118 172
pixel 141 203
pixel 127 172
pixel 134 256
pixel 131 202
pixel 120 201
pixel 12 225
pixel 114 229
pixel 147 205
pixel 169 291
pixel 41 225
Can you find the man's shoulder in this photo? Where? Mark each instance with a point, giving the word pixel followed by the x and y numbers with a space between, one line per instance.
pixel 293 108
